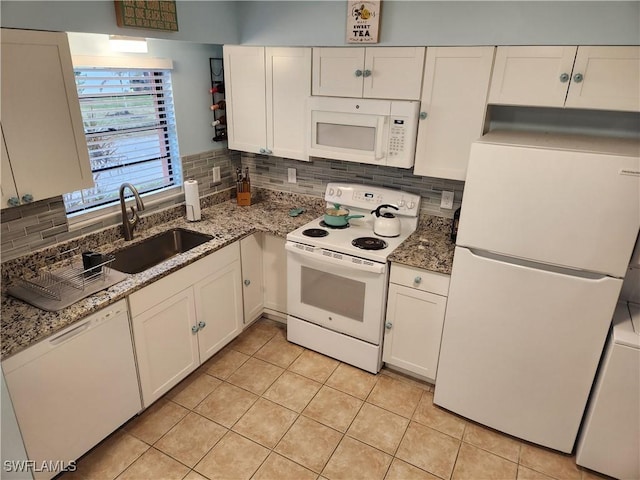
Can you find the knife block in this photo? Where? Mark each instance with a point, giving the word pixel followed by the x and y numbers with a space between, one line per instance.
pixel 244 198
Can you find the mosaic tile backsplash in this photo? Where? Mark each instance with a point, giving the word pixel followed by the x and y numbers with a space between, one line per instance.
pixel 42 224
pixel 312 178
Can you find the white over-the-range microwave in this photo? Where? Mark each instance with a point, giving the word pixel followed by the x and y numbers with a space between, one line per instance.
pixel 378 132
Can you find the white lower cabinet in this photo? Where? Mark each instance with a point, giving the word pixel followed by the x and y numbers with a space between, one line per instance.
pixel 252 284
pixel 274 264
pixel 416 306
pixel 184 318
pixel 71 390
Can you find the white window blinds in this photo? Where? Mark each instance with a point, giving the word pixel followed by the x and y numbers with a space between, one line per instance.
pixel 129 125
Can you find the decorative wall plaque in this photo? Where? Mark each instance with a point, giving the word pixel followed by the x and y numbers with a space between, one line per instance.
pixel 363 20
pixel 152 15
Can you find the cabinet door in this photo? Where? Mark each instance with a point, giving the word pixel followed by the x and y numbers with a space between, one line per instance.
pixel 413 330
pixel 244 76
pixel 532 75
pixel 606 78
pixel 393 72
pixel 337 72
pixel 7 185
pixel 41 119
pixel 275 274
pixel 252 286
pixel 454 97
pixel 288 88
pixel 218 300
pixel 166 345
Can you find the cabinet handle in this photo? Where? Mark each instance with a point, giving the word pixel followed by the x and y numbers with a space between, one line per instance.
pixel 195 329
pixel 417 279
pixel 27 198
pixel 358 73
pixel 262 150
pixel 201 325
pixel 388 325
pixel 13 201
pixel 268 152
pixel 366 73
pixel 578 77
pixel 247 282
pixel 564 78
pixel 423 115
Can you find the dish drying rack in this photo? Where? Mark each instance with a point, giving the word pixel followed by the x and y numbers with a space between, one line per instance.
pixel 57 284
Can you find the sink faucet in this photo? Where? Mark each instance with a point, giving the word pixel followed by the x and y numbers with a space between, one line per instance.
pixel 128 224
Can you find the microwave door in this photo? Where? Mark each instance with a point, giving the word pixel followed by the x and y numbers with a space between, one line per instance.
pixel 348 136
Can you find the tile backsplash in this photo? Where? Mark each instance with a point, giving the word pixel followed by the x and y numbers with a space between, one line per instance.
pixel 42 224
pixel 312 178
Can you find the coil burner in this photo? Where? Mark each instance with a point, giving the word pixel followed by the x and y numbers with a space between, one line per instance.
pixel 369 243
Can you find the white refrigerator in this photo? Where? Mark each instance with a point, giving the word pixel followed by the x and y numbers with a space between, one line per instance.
pixel 547 227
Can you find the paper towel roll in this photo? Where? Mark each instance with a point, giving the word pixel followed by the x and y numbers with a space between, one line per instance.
pixel 192 200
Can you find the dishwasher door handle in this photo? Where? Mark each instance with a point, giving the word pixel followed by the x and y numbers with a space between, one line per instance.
pixel 69 334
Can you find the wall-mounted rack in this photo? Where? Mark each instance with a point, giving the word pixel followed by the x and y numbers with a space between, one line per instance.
pixel 218 103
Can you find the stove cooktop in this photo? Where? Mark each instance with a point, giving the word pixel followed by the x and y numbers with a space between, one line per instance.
pixel 341 240
pixel 360 200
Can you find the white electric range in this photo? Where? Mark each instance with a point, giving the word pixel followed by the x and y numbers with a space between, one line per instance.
pixel 337 277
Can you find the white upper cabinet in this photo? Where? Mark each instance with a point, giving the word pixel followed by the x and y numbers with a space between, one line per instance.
pixel 244 76
pixel 369 72
pixel 288 88
pixel 453 105
pixel 531 75
pixel 266 90
pixel 8 186
pixel 606 78
pixel 603 78
pixel 45 148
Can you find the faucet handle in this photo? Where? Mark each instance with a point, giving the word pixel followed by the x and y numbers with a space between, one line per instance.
pixel 134 217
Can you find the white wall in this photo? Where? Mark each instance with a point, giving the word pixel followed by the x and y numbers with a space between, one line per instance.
pixel 323 22
pixel 198 21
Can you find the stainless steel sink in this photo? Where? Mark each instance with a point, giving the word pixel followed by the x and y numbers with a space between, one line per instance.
pixel 154 250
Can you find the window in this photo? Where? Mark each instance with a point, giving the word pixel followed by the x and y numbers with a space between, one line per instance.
pixel 129 124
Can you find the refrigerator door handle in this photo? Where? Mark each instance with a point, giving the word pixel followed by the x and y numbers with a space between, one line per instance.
pixel 522 262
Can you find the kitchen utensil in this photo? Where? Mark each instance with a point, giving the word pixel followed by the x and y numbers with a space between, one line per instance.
pixel 338 216
pixel 294 212
pixel 386 223
pixel 91 262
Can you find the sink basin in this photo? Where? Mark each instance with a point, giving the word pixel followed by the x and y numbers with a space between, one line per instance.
pixel 154 250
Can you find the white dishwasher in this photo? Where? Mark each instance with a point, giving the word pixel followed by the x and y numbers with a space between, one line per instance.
pixel 73 389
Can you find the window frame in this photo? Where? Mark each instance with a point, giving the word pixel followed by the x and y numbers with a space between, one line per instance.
pixel 110 213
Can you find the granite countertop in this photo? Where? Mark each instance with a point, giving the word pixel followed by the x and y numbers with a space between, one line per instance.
pixel 429 247
pixel 23 325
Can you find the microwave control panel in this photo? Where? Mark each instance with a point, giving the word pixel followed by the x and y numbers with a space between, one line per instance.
pixel 402 132
pixel 396 136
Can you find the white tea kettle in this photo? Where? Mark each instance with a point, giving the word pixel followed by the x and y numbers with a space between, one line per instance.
pixel 386 223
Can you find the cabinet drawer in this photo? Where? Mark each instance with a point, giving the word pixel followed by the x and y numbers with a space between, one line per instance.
pixel 172 284
pixel 420 279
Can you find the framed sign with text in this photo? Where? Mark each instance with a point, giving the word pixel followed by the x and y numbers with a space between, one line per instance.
pixel 149 14
pixel 363 20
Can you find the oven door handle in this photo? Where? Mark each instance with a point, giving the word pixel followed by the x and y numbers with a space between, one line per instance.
pixel 376 268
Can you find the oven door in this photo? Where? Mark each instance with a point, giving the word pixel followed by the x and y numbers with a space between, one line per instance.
pixel 353 137
pixel 339 292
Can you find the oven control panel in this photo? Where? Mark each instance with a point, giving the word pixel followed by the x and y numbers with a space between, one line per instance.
pixel 368 197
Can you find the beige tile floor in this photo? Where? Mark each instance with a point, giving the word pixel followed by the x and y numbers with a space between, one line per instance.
pixel 264 408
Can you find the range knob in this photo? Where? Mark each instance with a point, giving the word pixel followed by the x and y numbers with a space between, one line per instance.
pixel 401 202
pixel 331 192
pixel 412 205
pixel 339 193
